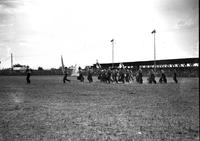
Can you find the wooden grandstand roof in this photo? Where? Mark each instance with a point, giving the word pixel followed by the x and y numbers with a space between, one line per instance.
pixel 158 62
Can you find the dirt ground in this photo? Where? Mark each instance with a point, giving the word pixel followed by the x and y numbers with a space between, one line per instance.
pixel 48 110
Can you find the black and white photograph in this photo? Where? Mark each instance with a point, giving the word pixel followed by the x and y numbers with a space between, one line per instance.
pixel 99 70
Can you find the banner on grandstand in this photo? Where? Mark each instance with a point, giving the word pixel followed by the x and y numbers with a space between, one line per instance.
pixel 98 66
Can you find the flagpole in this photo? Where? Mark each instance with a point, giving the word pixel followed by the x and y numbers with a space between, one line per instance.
pixel 62 63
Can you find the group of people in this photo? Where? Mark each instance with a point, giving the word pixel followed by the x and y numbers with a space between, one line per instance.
pixel 125 75
pixel 116 75
pixel 81 76
pixel 162 79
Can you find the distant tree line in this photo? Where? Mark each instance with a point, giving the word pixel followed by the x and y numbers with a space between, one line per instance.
pixel 21 70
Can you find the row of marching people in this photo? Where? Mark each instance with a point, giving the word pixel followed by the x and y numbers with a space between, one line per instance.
pixel 115 75
pixel 124 75
pixel 108 75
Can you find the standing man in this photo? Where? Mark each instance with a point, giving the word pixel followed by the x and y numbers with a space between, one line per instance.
pixel 90 75
pixel 28 75
pixel 140 80
pixel 109 75
pixel 65 76
pixel 174 77
pixel 152 77
pixel 80 77
pixel 163 77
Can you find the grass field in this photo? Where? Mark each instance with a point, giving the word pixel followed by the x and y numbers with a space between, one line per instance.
pixel 48 110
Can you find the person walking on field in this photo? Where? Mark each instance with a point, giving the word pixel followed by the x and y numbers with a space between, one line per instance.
pixel 90 75
pixel 163 77
pixel 174 77
pixel 65 76
pixel 139 76
pixel 80 77
pixel 151 78
pixel 28 75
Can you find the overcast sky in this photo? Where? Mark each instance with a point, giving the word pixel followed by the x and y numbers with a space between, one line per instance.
pixel 38 32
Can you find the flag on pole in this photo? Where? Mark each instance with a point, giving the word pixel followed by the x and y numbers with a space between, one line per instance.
pixel 154 31
pixel 112 40
pixel 63 67
pixel 98 65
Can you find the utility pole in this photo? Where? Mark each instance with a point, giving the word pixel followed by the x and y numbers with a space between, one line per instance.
pixel 154 32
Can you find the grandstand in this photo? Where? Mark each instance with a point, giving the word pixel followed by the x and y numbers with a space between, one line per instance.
pixel 185 67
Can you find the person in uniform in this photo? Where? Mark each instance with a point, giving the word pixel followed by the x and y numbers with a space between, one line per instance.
pixel 163 77
pixel 109 75
pixel 140 80
pixel 80 77
pixel 28 75
pixel 115 75
pixel 175 77
pixel 90 75
pixel 65 76
pixel 151 78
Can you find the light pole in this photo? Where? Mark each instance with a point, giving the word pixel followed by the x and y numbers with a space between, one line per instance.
pixel 112 52
pixel 154 32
